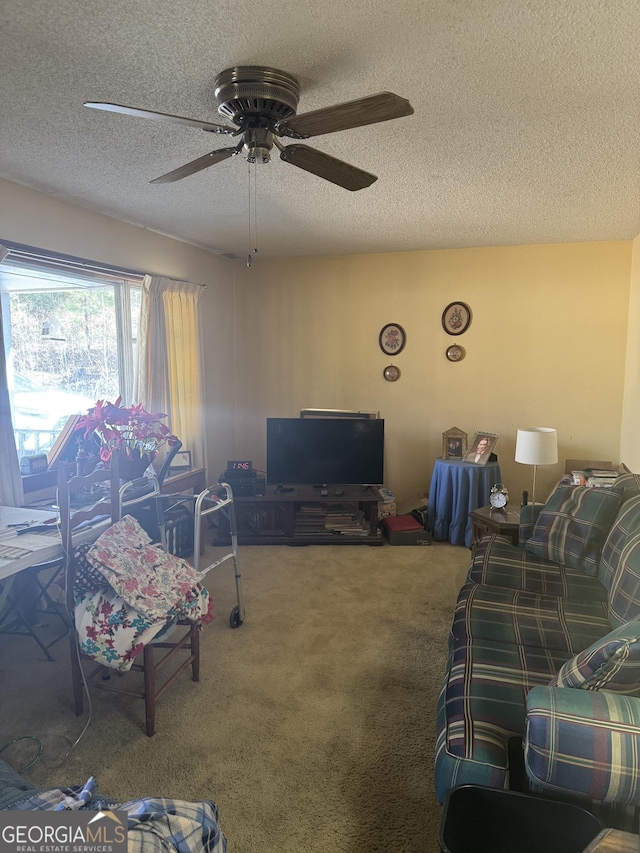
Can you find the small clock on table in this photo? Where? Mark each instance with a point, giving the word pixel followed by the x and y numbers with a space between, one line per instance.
pixel 498 496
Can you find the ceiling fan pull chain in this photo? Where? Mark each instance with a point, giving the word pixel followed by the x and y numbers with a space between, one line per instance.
pixel 249 217
pixel 255 209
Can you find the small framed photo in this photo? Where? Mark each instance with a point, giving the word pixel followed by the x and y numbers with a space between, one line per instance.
pixel 454 444
pixel 481 448
pixel 181 461
pixel 392 339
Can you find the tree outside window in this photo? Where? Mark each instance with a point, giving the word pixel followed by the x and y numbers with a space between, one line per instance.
pixel 68 343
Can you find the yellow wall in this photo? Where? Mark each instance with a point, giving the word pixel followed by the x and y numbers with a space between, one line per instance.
pixel 40 220
pixel 546 347
pixel 630 439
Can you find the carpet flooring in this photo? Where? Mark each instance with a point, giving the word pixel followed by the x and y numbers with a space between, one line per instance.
pixel 313 724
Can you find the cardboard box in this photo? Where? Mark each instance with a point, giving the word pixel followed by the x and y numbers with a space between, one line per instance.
pixel 404 530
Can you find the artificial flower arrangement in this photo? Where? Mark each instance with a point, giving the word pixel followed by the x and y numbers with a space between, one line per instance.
pixel 129 429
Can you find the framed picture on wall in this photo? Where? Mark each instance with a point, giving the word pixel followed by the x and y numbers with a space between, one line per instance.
pixel 454 444
pixel 456 318
pixel 392 339
pixel 481 448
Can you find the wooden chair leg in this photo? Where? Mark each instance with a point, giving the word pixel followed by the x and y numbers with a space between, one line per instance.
pixel 150 689
pixel 195 651
pixel 76 674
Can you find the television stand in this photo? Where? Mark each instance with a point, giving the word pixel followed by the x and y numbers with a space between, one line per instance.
pixel 303 517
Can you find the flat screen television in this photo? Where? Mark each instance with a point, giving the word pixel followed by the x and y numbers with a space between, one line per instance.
pixel 331 451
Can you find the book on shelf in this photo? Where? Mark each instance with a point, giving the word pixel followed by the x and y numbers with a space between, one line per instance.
pixel 352 521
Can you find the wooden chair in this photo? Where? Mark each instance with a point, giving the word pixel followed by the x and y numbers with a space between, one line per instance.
pixel 180 644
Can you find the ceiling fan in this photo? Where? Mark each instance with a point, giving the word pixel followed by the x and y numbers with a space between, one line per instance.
pixel 261 102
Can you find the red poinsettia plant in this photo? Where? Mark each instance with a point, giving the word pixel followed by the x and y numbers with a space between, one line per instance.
pixel 130 429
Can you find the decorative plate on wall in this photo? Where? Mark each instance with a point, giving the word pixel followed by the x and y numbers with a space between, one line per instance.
pixel 456 318
pixel 391 373
pixel 456 352
pixel 392 339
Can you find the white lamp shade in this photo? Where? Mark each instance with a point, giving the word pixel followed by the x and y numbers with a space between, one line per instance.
pixel 537 446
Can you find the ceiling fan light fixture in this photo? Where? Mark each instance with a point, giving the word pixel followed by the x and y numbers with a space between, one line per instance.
pixel 257 145
pixel 258 155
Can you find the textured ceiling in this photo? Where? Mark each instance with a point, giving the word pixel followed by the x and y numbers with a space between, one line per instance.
pixel 526 125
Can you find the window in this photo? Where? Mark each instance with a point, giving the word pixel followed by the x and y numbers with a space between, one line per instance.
pixel 70 339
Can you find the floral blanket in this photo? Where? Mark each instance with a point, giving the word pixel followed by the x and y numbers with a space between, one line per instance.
pixel 147 590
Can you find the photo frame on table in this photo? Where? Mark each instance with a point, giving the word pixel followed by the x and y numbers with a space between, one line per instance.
pixel 392 339
pixel 481 447
pixel 181 461
pixel 454 444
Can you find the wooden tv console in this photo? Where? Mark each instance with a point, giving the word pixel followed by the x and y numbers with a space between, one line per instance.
pixel 296 517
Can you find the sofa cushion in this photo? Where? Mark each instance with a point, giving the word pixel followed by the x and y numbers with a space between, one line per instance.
pixel 565 753
pixel 481 705
pixel 573 525
pixel 627 486
pixel 624 592
pixel 626 526
pixel 527 619
pixel 612 662
pixel 497 562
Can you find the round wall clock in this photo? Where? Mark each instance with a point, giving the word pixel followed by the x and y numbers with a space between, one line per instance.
pixel 456 352
pixel 456 318
pixel 391 373
pixel 392 339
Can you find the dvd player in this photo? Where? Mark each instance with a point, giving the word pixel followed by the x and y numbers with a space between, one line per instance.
pixel 243 487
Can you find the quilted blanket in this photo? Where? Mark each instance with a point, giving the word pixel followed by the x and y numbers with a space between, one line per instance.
pixel 148 590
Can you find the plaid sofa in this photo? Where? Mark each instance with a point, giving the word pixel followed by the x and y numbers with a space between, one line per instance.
pixel 545 648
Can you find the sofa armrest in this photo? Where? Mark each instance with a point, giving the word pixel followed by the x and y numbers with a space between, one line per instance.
pixel 583 742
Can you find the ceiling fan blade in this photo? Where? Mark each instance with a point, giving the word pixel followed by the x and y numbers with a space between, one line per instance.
pixel 327 167
pixel 369 110
pixel 134 111
pixel 196 165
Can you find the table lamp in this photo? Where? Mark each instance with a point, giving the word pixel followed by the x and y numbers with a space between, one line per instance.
pixel 537 446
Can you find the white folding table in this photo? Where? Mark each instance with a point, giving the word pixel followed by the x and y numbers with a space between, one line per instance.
pixel 20 551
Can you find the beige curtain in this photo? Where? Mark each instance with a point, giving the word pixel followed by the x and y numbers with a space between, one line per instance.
pixel 11 493
pixel 169 377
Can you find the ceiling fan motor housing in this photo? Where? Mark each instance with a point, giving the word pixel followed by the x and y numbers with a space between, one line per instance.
pixel 249 92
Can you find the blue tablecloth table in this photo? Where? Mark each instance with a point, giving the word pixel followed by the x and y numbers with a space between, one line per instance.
pixel 457 488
